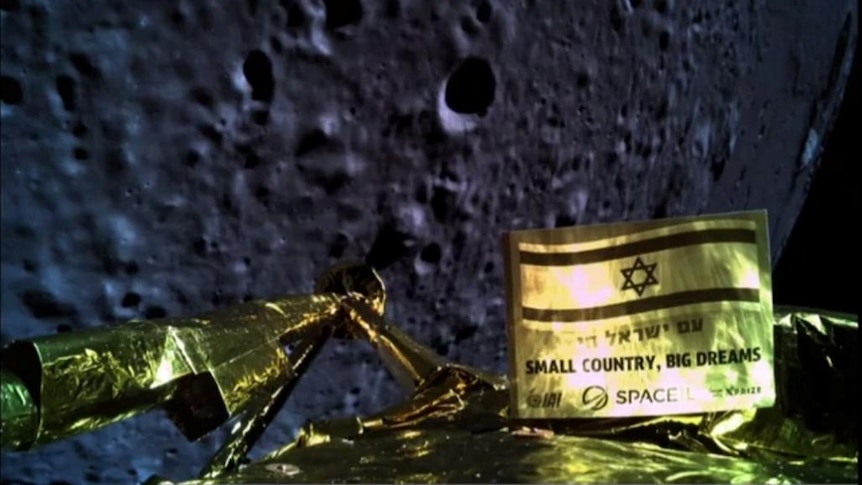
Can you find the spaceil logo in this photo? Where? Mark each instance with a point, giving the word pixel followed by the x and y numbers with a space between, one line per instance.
pixel 595 398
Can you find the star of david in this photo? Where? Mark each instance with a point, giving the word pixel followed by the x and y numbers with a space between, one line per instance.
pixel 648 280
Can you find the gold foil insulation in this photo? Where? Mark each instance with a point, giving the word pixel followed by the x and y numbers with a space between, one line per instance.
pixel 202 370
pixel 249 427
pixel 454 429
pixel 20 417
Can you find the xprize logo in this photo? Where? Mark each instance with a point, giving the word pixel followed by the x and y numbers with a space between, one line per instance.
pixel 595 398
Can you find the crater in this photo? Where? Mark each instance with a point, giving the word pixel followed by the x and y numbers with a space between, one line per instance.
pixel 10 90
pixel 257 69
pixel 466 95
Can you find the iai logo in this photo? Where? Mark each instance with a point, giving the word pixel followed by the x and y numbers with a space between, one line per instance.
pixel 551 399
pixel 595 398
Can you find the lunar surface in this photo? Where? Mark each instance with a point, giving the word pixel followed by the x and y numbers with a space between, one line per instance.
pixel 167 158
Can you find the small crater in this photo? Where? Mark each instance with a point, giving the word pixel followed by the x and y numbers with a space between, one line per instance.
pixel 66 88
pixel 192 158
pixel 276 45
pixel 79 130
pixel 578 162
pixel 464 331
pixel 132 268
pixel 178 18
pixel 257 69
pixel 251 158
pixel 311 141
pixel 341 13
pixel 331 181
pixel 660 210
pixel 81 153
pixel 583 79
pixel 199 246
pixel 441 347
pixel 619 184
pixel 717 167
pixel 201 96
pixel 130 300
pixel 10 90
pixel 338 246
pixel 421 192
pixel 63 328
pixel 262 195
pixel 565 220
pixel 43 304
pixel 212 134
pixel 227 204
pixel 469 26
pixel 617 19
pixel 389 246
pixel 484 12
pixel 296 16
pixel 154 312
pixel 556 122
pixel 431 254
pixel 663 109
pixel 471 87
pixel 84 65
pixel 664 40
pixel 260 117
pixel 9 5
pixel 443 204
pixel 661 6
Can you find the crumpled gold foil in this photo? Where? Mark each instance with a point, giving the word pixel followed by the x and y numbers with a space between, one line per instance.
pixel 20 418
pixel 202 370
pixel 454 429
pixel 455 425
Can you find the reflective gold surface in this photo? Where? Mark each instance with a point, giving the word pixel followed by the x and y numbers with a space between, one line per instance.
pixel 202 370
pixel 249 427
pixel 20 416
pixel 441 455
pixel 648 318
pixel 454 429
pixel 454 426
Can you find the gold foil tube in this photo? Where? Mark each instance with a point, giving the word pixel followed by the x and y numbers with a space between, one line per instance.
pixel 20 416
pixel 438 434
pixel 409 362
pixel 203 370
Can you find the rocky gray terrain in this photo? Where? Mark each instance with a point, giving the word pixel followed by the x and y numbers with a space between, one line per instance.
pixel 167 158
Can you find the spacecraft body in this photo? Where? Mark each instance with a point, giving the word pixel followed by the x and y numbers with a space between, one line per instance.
pixel 454 425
